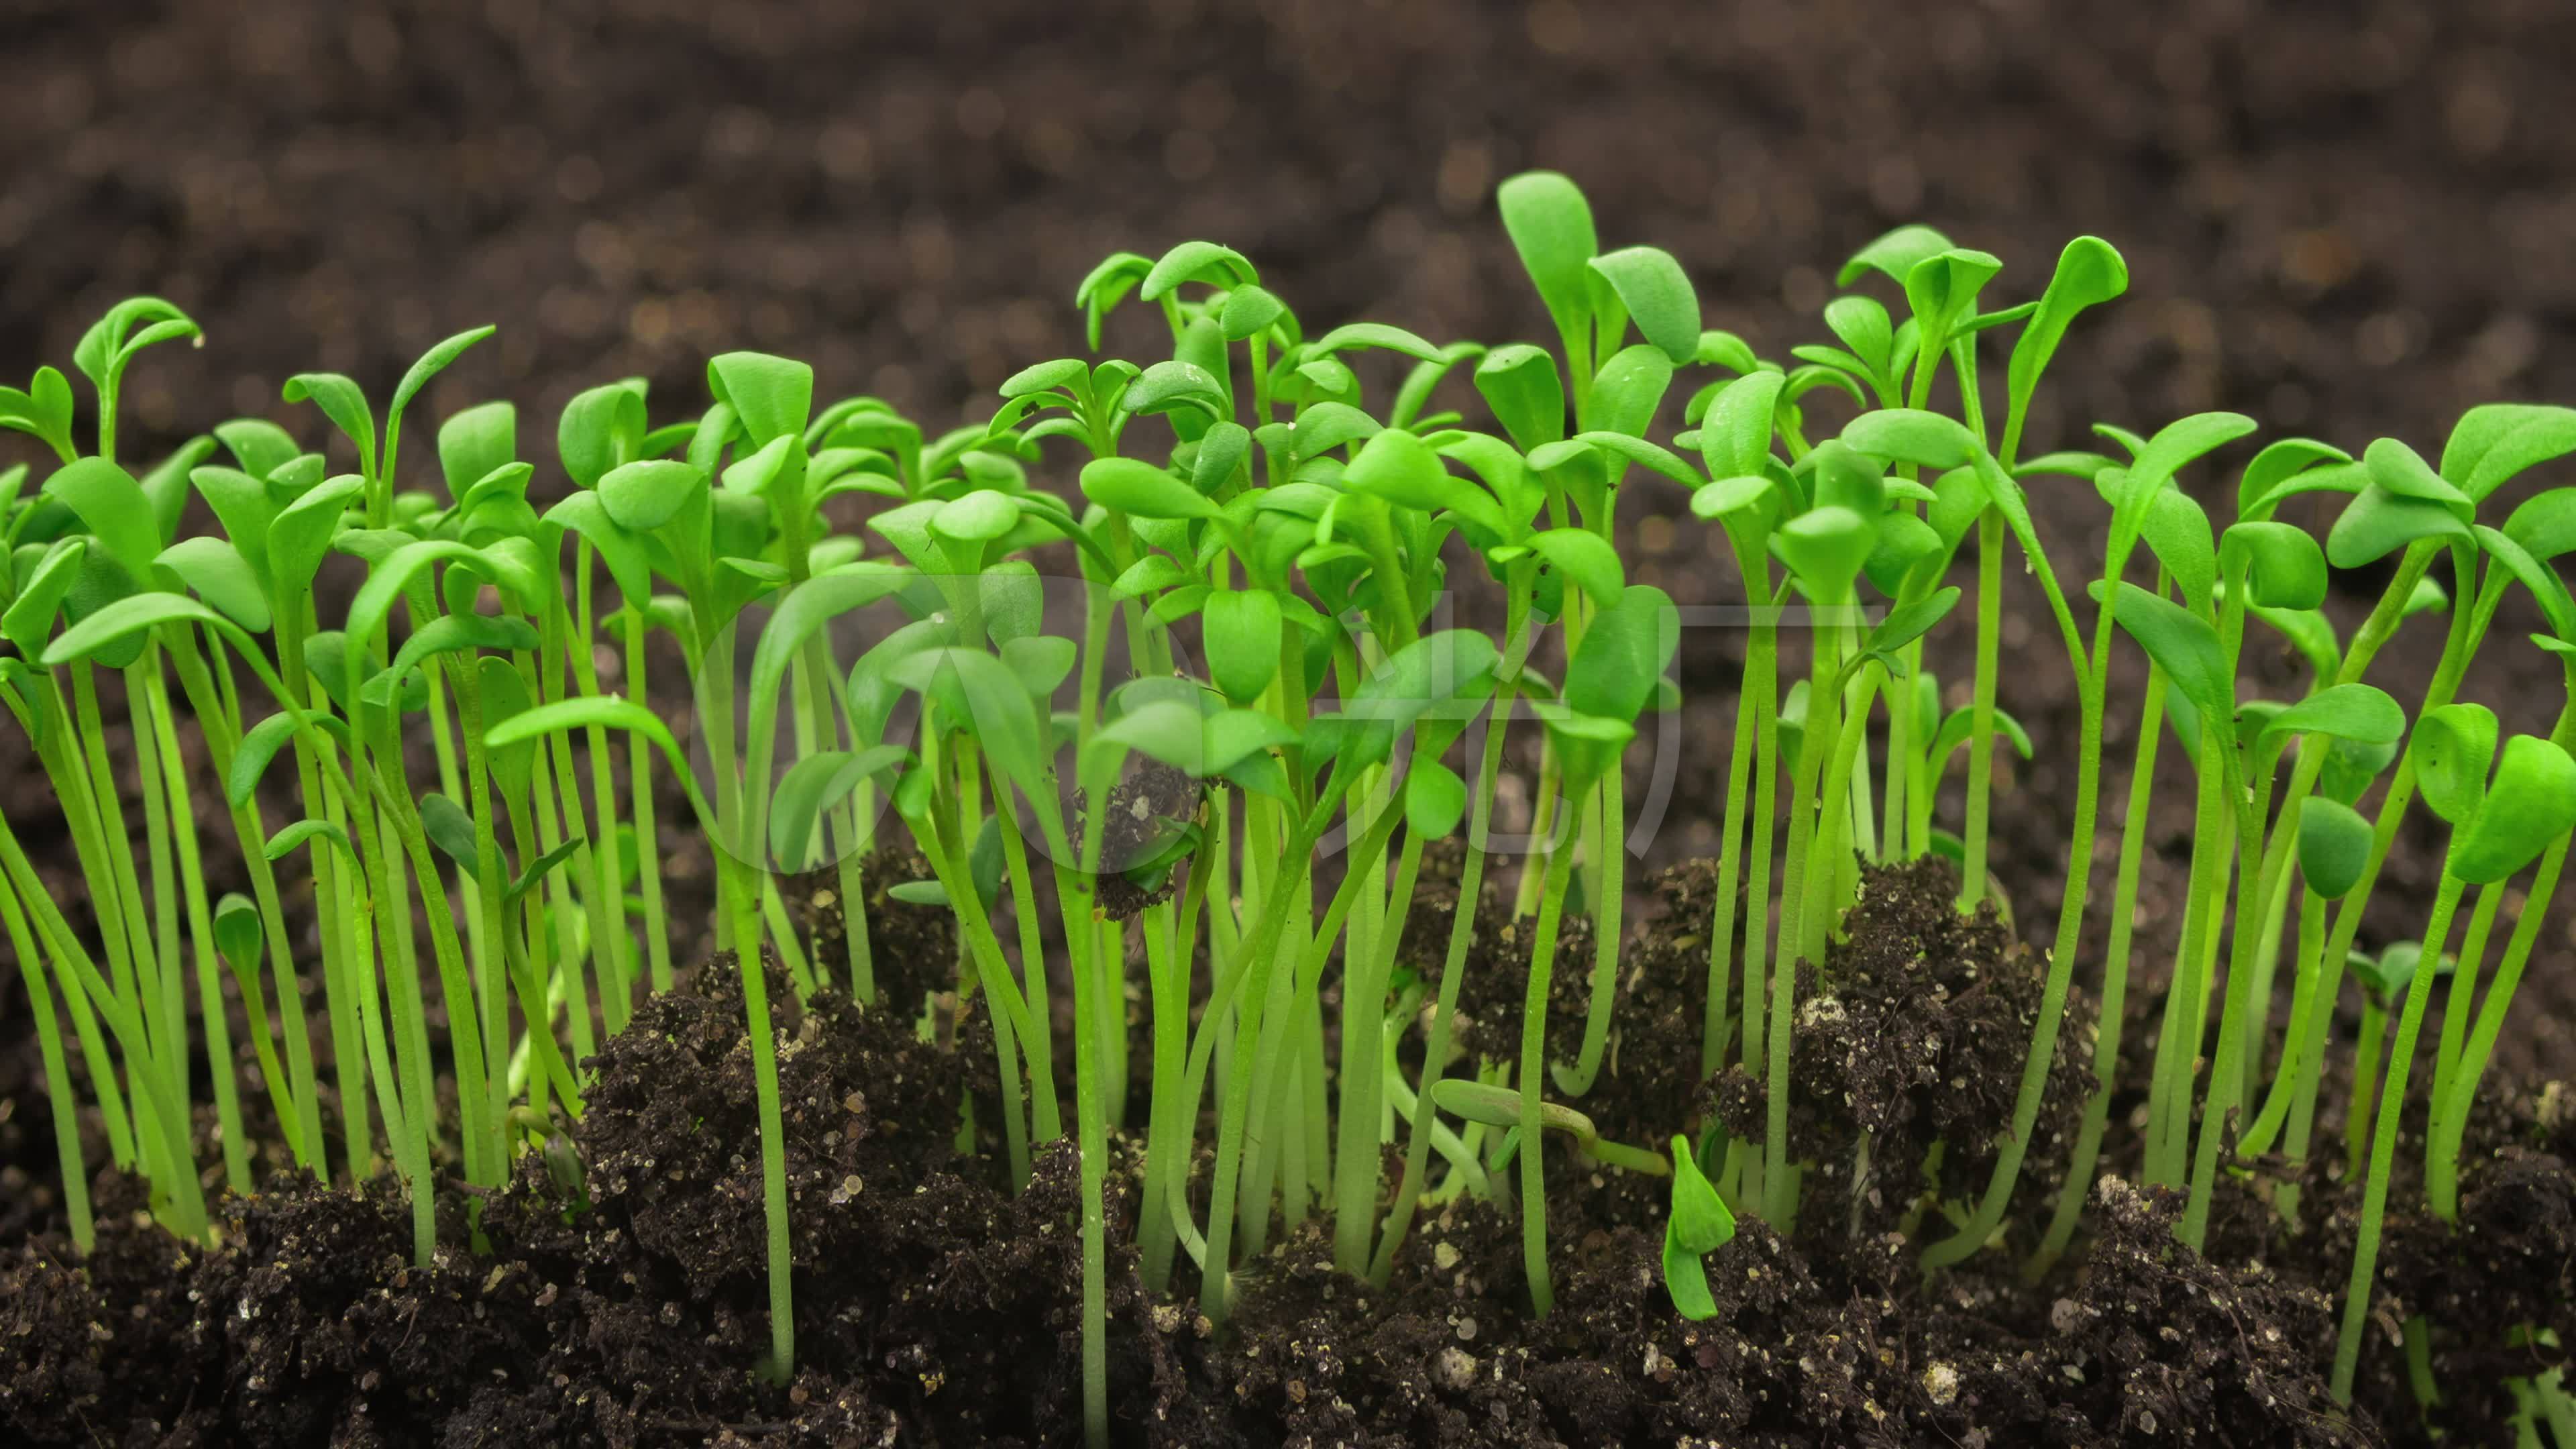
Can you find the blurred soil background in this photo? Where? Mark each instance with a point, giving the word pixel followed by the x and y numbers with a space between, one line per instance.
pixel 2348 220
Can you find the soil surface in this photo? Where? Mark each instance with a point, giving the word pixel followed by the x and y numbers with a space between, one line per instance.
pixel 2346 222
pixel 937 1308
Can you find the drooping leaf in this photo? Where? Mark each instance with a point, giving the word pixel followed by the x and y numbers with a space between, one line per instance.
pixel 2334 846
pixel 1196 261
pixel 2532 805
pixel 2453 747
pixel 1911 435
pixel 239 933
pixel 2282 564
pixel 1896 254
pixel 2493 443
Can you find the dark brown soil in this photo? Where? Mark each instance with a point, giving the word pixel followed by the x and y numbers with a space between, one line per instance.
pixel 936 1309
pixel 2346 222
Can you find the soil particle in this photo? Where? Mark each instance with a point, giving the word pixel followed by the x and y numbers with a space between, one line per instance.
pixel 935 1307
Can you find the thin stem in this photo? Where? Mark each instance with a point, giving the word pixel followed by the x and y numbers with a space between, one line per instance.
pixel 2115 986
pixel 1551 906
pixel 2383 1150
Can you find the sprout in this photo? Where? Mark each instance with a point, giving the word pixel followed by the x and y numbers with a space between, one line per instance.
pixel 1258 673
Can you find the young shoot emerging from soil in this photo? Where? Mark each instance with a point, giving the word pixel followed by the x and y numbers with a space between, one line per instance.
pixel 1162 685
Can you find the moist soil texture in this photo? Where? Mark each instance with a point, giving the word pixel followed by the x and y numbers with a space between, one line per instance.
pixel 625 1303
pixel 2345 220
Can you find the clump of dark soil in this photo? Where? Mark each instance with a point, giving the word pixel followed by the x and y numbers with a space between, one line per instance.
pixel 936 1308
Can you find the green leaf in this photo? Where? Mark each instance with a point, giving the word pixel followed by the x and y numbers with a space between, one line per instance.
pixel 2267 478
pixel 2350 767
pixel 2377 523
pixel 1962 723
pixel 1735 433
pixel 647 494
pixel 2089 272
pixel 538 869
pixel 1248 312
pixel 1658 297
pixel 977 517
pixel 1909 435
pixel 1442 676
pixel 450 829
pixel 1403 469
pixel 1840 476
pixel 1196 261
pixel 502 693
pixel 1550 225
pixel 106 348
pixel 1909 622
pixel 1375 334
pixel 301 535
pixel 260 744
pixel 1520 383
pixel 1686 1279
pixel 2532 805
pixel 814 785
pixel 2183 644
pixel 1587 746
pixel 2282 565
pixel 1623 652
pixel 2453 746
pixel 2545 524
pixel 474 442
pixel 1324 426
pixel 216 570
pixel 1627 391
pixel 2493 443
pixel 1863 326
pixel 1700 1220
pixel 2356 712
pixel 111 505
pixel 1242 630
pixel 583 513
pixel 2334 846
pixel 1586 559
pixel 30 617
pixel 44 410
pixel 122 618
pixel 1746 505
pixel 980 693
pixel 239 933
pixel 606 711
pixel 1042 661
pixel 1435 800
pixel 2402 471
pixel 1175 384
pixel 919 892
pixel 1825 548
pixel 773 397
pixel 1897 254
pixel 1942 289
pixel 287 839
pixel 600 429
pixel 1142 490
pixel 346 407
